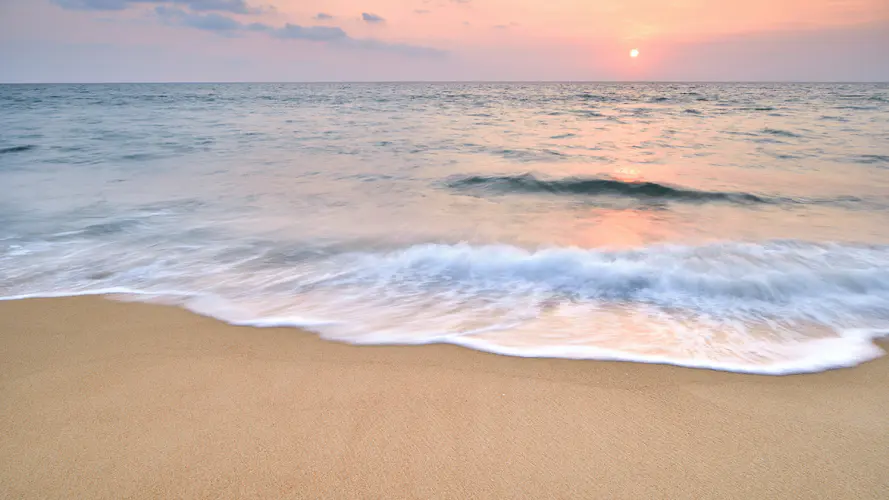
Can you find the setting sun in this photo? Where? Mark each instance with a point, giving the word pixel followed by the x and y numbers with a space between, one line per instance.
pixel 634 53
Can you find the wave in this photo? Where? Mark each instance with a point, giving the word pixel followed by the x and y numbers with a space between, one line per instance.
pixel 778 272
pixel 779 132
pixel 17 149
pixel 529 183
pixel 772 308
pixel 588 96
pixel 871 159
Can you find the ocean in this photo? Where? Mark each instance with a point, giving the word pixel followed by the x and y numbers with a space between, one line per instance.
pixel 739 227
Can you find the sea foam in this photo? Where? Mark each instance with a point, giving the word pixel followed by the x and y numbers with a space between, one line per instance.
pixel 773 308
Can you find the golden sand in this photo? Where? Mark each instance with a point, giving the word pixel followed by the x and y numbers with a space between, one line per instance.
pixel 100 399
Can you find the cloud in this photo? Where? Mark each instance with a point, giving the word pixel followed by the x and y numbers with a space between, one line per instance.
pixel 335 36
pixel 263 28
pixel 314 33
pixel 204 15
pixel 226 25
pixel 371 18
pixel 233 6
pixel 206 22
pixel 93 4
pixel 422 11
pixel 396 48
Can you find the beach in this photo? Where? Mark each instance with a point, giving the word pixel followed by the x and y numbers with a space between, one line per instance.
pixel 106 399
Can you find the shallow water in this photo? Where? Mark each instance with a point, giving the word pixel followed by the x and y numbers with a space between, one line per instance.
pixel 738 227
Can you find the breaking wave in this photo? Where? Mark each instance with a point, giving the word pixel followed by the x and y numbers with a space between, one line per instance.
pixel 772 308
pixel 592 186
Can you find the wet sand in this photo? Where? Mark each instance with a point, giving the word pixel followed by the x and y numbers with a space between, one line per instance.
pixel 100 399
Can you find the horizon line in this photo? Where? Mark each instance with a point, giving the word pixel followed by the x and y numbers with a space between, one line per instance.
pixel 272 82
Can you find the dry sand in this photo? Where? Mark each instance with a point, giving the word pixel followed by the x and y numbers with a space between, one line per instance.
pixel 100 399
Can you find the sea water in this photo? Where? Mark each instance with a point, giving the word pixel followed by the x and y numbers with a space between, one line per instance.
pixel 742 227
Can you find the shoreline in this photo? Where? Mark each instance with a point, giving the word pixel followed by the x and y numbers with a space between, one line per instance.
pixel 106 399
pixel 871 346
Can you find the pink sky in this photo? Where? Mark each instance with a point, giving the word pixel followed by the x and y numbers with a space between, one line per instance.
pixel 287 40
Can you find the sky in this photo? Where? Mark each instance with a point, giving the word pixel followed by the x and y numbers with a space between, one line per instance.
pixel 443 40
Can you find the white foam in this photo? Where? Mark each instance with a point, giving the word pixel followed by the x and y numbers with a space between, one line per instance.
pixel 818 355
pixel 81 293
pixel 773 308
pixel 849 348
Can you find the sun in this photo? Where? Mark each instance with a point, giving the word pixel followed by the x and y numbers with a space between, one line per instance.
pixel 634 53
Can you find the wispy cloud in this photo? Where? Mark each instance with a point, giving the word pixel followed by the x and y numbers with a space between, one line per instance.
pixel 93 4
pixel 332 35
pixel 371 18
pixel 205 15
pixel 395 48
pixel 207 22
pixel 314 33
pixel 233 6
